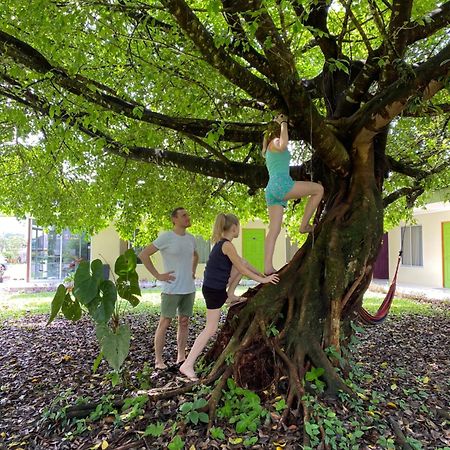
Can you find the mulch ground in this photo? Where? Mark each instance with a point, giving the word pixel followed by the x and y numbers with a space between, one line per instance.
pixel 402 369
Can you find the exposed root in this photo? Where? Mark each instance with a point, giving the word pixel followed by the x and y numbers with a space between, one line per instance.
pixel 289 401
pixel 332 379
pixel 215 396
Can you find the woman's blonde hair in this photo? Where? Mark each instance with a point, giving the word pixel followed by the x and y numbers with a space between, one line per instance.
pixel 273 131
pixel 223 223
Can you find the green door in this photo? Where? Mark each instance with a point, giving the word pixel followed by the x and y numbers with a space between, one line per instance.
pixel 446 252
pixel 253 246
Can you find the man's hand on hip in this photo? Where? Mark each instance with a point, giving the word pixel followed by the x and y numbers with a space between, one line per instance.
pixel 167 277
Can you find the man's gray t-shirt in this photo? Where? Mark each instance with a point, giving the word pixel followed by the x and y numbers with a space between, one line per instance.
pixel 177 253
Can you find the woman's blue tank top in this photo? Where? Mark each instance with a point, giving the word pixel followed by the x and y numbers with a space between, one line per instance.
pixel 218 268
pixel 278 162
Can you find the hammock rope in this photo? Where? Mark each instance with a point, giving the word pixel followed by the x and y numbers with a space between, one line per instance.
pixel 383 310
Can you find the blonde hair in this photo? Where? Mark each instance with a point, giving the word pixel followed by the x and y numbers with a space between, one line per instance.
pixel 273 131
pixel 223 223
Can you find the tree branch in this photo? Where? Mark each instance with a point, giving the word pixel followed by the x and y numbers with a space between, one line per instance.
pixel 248 52
pixel 316 19
pixel 254 176
pixel 436 20
pixel 105 97
pixel 404 169
pixel 218 58
pixel 415 191
pixel 379 111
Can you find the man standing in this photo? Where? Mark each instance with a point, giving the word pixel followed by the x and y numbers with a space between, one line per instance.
pixel 180 261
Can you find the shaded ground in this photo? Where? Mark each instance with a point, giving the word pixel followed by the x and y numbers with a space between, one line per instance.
pixel 402 372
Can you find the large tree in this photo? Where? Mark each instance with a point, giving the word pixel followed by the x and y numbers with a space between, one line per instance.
pixel 118 109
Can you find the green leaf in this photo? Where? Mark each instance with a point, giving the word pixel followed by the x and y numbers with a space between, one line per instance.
pixel 126 263
pixel 57 302
pixel 199 403
pixel 97 362
pixel 217 433
pixel 186 407
pixel 193 417
pixel 176 443
pixel 115 379
pixel 87 281
pixel 154 430
pixel 203 417
pixel 71 308
pixel 115 345
pixel 102 308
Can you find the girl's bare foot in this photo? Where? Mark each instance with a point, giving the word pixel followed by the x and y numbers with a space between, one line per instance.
pixel 160 366
pixel 306 228
pixel 188 373
pixel 269 271
pixel 234 300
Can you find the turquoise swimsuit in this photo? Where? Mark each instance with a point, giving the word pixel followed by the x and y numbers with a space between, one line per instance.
pixel 280 182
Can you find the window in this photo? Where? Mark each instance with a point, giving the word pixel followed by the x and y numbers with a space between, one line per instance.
pixel 412 246
pixel 55 255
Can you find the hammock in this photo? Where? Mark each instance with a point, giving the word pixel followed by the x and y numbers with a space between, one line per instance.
pixel 383 310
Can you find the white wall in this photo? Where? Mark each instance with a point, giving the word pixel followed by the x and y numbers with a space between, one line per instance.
pixel 431 273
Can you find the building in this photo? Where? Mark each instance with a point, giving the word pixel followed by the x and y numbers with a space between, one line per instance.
pixel 426 248
pixel 53 255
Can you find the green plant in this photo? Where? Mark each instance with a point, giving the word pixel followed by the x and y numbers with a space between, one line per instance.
pixel 176 443
pixel 143 376
pixel 217 433
pixel 133 407
pixel 191 413
pixel 313 376
pixel 242 408
pixel 250 441
pixel 56 411
pixel 104 408
pixel 272 330
pixel 97 296
pixel 154 430
pixel 280 405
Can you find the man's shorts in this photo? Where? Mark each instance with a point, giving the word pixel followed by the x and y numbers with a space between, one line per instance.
pixel 277 188
pixel 177 304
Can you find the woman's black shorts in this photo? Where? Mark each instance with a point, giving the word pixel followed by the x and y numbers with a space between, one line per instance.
pixel 214 298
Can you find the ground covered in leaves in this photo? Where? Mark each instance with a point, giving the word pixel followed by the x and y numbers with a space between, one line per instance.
pixel 400 375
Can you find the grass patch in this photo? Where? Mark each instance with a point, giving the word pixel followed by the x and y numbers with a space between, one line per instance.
pixel 402 306
pixel 14 306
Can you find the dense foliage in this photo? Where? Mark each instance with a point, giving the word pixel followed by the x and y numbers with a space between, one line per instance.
pixel 123 110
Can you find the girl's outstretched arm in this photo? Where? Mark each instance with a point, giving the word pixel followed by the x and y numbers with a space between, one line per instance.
pixel 229 249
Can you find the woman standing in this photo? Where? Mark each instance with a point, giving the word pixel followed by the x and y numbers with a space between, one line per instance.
pixel 223 262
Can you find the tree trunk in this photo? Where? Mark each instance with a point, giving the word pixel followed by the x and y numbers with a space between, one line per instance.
pixel 283 330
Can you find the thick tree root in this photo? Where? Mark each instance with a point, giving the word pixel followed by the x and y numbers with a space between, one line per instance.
pixel 400 437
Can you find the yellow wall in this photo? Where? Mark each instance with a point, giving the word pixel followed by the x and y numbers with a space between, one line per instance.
pixel 430 274
pixel 108 246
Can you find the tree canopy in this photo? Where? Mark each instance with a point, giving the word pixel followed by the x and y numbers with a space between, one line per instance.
pixel 121 110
